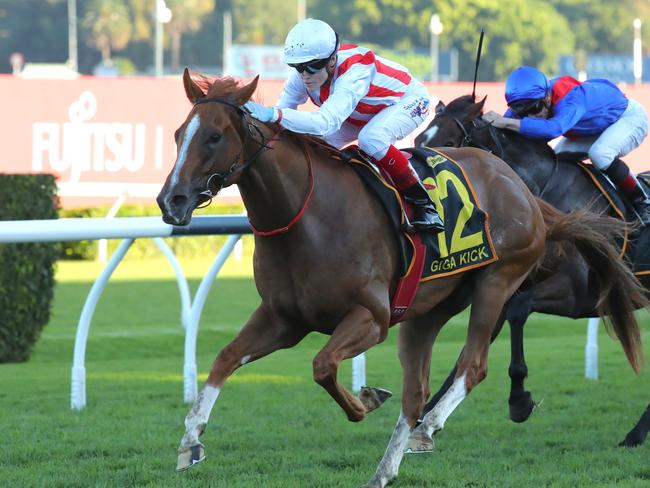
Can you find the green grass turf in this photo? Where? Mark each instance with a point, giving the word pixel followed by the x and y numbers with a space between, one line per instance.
pixel 273 426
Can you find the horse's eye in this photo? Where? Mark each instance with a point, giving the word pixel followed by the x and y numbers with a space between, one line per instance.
pixel 214 138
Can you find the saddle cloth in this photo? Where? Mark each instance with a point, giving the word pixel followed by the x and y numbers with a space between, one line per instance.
pixel 635 247
pixel 465 243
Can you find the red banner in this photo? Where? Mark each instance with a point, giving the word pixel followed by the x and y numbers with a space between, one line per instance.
pixel 104 138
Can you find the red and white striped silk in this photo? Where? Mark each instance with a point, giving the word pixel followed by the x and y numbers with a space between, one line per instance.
pixel 362 85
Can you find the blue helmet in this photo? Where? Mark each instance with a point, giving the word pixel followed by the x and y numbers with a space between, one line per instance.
pixel 526 83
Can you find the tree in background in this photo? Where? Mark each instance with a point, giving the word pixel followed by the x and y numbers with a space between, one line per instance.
pixel 108 25
pixel 187 16
pixel 517 32
pixel 38 30
pixel 521 32
pixel 602 26
pixel 262 21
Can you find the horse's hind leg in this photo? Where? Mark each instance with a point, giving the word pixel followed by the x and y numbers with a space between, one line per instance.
pixel 487 305
pixel 420 442
pixel 357 332
pixel 450 378
pixel 263 334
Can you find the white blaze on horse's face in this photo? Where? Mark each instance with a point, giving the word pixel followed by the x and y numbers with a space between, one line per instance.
pixel 190 131
pixel 428 134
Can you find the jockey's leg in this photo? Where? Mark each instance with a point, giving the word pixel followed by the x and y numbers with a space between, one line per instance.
pixel 626 134
pixel 377 138
pixel 425 215
pixel 624 179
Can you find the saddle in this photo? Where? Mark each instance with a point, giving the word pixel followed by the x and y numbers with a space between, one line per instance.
pixel 635 247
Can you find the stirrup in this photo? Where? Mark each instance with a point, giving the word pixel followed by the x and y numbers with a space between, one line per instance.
pixel 426 219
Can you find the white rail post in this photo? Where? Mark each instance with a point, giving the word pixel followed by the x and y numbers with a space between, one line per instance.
pixel 358 372
pixel 78 375
pixel 591 350
pixel 190 389
pixel 102 244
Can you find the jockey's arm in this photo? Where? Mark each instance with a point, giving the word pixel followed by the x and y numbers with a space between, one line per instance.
pixel 347 92
pixel 566 114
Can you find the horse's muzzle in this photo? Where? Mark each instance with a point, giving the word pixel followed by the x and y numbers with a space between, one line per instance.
pixel 176 209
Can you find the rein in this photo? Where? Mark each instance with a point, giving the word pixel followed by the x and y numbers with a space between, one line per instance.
pixel 235 168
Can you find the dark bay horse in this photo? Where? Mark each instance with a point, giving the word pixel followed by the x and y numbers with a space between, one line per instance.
pixel 325 260
pixel 567 286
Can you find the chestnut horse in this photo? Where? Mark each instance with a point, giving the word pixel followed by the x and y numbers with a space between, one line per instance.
pixel 326 259
pixel 567 287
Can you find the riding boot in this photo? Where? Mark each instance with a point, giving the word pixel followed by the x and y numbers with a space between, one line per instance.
pixel 425 216
pixel 622 177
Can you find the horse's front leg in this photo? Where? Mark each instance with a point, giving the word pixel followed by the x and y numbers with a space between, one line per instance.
pixel 262 334
pixel 359 330
pixel 637 435
pixel 520 403
pixel 564 293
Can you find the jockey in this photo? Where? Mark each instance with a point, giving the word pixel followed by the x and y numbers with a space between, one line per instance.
pixel 361 96
pixel 594 116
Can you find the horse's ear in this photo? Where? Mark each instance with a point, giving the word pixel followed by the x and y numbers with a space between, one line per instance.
pixel 192 90
pixel 476 109
pixel 245 93
pixel 440 107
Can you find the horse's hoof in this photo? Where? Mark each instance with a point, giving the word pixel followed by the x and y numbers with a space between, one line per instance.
pixel 419 443
pixel 633 439
pixel 372 398
pixel 189 457
pixel 521 407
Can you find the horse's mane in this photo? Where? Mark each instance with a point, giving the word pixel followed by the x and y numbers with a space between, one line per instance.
pixel 223 87
pixel 214 86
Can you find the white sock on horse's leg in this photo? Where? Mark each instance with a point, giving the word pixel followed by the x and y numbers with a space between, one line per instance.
pixel 389 465
pixel 436 418
pixel 198 416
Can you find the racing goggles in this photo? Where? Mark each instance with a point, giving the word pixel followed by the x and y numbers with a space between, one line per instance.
pixel 527 107
pixel 311 67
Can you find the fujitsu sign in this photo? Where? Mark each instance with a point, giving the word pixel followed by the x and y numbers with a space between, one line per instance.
pixel 103 138
pixel 81 146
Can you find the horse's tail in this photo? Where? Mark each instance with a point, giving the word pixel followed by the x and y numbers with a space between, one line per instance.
pixel 621 293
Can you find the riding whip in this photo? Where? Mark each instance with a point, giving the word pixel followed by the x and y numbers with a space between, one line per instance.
pixel 478 60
